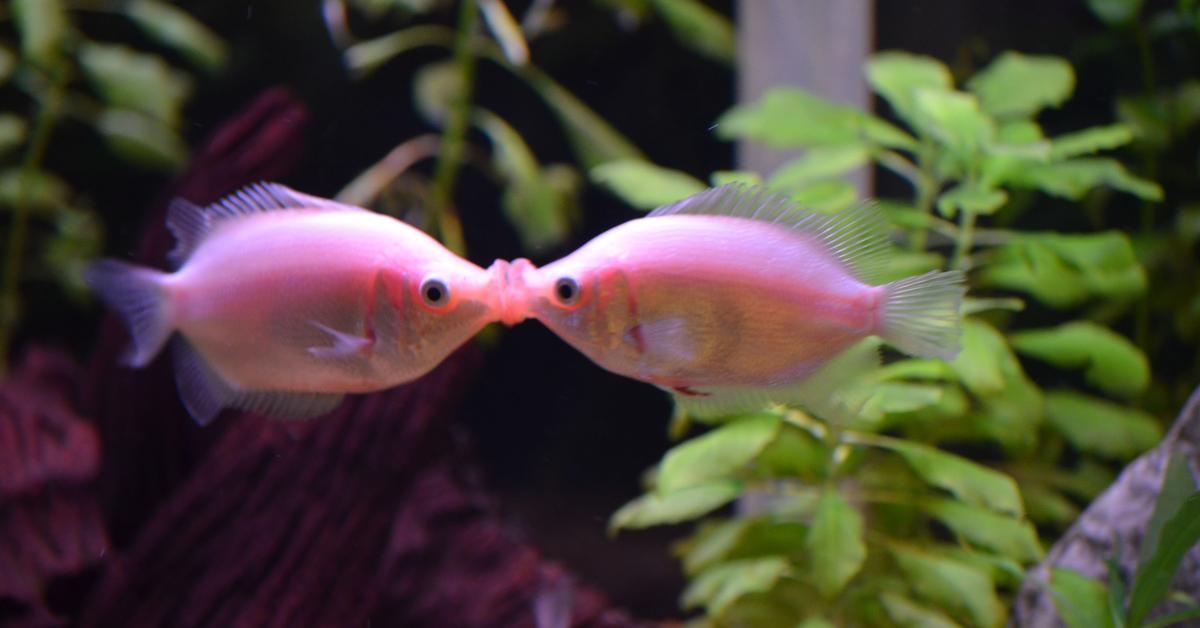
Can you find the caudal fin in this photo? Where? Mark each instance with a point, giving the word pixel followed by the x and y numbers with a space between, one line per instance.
pixel 137 295
pixel 920 315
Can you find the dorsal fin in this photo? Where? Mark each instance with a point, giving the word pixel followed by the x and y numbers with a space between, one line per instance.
pixel 191 223
pixel 858 236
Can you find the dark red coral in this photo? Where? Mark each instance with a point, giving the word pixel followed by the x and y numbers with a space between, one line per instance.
pixel 50 522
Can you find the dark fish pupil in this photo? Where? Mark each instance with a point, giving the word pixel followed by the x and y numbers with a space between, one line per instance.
pixel 566 290
pixel 435 292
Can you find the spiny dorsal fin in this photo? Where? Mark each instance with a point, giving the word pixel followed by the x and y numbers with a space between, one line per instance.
pixel 857 236
pixel 191 223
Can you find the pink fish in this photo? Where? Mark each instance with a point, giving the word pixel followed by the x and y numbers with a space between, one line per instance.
pixel 284 302
pixel 736 297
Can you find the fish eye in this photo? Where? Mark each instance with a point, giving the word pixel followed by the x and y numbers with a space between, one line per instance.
pixel 435 292
pixel 566 290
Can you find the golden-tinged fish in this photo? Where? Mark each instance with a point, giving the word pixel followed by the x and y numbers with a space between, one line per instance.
pixel 735 297
pixel 284 302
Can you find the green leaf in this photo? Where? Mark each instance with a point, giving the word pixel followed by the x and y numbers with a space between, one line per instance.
pixel 1112 363
pixel 1002 534
pixel 1046 505
pixel 1065 270
pixel 1115 12
pixel 177 28
pixel 916 368
pixel 1116 586
pixel 1148 119
pixel 544 210
pixel 436 87
pixel 971 198
pixel 142 140
pixel 725 177
pixel 1177 485
pixel 1089 141
pixel 909 614
pixel 76 241
pixel 896 397
pixel 8 64
pixel 816 622
pixel 39 190
pixel 954 119
pixel 978 364
pixel 789 118
pixel 898 76
pixel 698 27
pixel 712 543
pixel 720 586
pixel 1101 427
pixel 827 196
pixel 684 505
pixel 1081 601
pixel 819 163
pixel 1010 402
pixel 1154 577
pixel 720 453
pixel 793 453
pixel 1073 178
pixel 367 56
pixel 506 30
pixel 13 131
pixel 594 141
pixel 43 27
pixel 136 81
pixel 835 543
pixel 742 538
pixel 973 483
pixel 1017 85
pixel 952 584
pixel 886 134
pixel 538 202
pixel 644 185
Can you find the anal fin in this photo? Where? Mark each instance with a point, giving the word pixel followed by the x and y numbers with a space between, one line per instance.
pixel 287 405
pixel 205 393
pixel 833 392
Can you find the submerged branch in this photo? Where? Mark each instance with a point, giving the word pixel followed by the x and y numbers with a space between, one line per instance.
pixel 367 186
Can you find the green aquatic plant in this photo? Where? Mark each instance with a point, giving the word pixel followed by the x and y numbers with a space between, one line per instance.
pixel 877 517
pixel 1174 528
pixel 56 74
pixel 539 200
pixel 1155 92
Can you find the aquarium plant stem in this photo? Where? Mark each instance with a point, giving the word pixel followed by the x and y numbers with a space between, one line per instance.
pixel 10 293
pixel 926 188
pixel 962 245
pixel 454 138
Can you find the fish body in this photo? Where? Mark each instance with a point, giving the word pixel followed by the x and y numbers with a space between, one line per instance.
pixel 284 302
pixel 734 297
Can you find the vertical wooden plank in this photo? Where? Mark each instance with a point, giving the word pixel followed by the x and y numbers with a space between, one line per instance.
pixel 816 45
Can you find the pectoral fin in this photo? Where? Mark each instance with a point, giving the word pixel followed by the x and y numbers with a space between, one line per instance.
pixel 344 345
pixel 665 340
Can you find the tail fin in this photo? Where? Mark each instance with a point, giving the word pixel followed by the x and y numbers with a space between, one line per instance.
pixel 137 294
pixel 920 315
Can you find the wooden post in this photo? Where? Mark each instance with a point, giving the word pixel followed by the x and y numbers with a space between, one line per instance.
pixel 816 45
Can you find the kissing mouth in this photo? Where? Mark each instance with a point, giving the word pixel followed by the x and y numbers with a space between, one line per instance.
pixel 512 295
